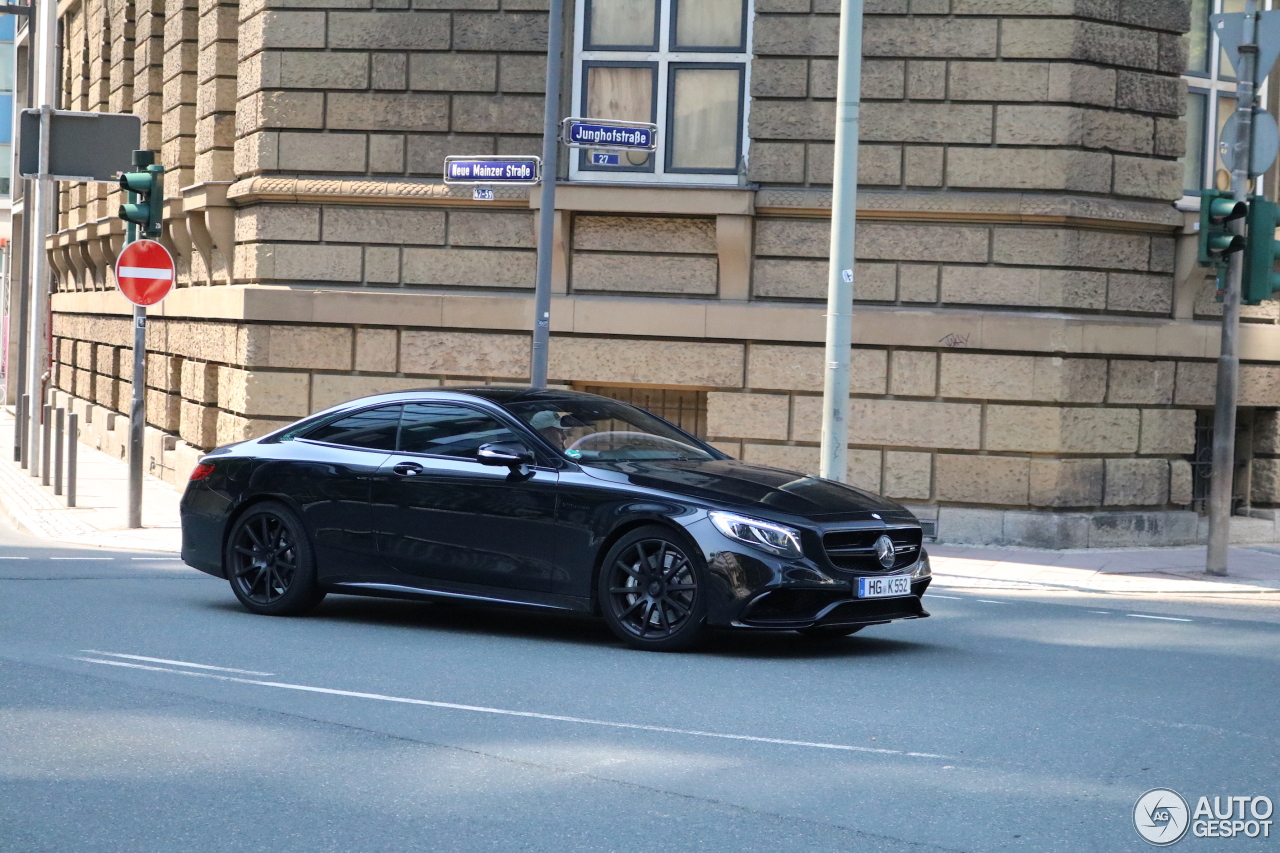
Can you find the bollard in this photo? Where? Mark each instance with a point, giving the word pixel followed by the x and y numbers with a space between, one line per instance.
pixel 18 421
pixel 73 439
pixel 45 460
pixel 60 434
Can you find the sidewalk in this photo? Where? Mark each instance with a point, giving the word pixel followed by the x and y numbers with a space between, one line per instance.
pixel 99 520
pixel 101 512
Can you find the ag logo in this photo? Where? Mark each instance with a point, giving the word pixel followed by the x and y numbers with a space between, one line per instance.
pixel 1161 817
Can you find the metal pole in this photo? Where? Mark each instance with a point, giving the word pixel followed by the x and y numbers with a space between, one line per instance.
pixel 137 414
pixel 46 423
pixel 844 207
pixel 24 283
pixel 59 437
pixel 547 204
pixel 73 440
pixel 42 211
pixel 1224 415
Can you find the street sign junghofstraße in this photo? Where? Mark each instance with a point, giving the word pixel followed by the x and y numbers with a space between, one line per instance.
pixel 606 133
pixel 492 170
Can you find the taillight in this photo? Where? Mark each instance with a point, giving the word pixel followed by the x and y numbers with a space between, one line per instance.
pixel 204 469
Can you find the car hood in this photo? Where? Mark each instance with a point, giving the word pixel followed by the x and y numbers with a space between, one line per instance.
pixel 747 486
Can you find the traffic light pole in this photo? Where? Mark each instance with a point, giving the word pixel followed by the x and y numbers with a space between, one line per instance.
pixel 39 212
pixel 844 209
pixel 1228 384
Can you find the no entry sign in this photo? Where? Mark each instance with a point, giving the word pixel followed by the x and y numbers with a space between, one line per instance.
pixel 145 272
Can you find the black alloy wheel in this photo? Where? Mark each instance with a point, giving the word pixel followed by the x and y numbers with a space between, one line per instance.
pixel 651 591
pixel 269 563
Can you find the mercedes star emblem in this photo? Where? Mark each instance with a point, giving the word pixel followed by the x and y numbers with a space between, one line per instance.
pixel 885 551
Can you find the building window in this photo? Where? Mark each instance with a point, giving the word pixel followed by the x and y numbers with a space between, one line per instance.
pixel 1211 95
pixel 681 64
pixel 685 408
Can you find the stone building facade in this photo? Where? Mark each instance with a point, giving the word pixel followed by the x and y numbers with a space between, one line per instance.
pixel 1034 345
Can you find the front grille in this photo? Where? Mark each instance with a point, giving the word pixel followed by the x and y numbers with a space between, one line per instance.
pixel 855 550
pixel 793 605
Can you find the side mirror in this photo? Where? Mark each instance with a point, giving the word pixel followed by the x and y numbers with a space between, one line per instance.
pixel 509 454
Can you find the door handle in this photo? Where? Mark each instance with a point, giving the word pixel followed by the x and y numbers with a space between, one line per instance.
pixel 407 469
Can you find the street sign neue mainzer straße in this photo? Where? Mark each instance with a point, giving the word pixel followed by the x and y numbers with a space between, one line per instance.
pixel 492 170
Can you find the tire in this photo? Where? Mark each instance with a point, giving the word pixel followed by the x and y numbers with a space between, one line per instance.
pixel 269 562
pixel 829 632
pixel 653 592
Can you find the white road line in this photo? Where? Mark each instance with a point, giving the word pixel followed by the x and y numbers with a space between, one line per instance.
pixel 948 597
pixel 93 559
pixel 1163 618
pixel 989 601
pixel 1101 611
pixel 177 662
pixel 481 709
pixel 15 558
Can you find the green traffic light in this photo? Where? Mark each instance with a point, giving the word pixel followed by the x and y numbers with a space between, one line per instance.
pixel 1259 279
pixel 146 211
pixel 1216 240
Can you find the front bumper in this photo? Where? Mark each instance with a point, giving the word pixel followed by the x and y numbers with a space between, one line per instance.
pixel 752 589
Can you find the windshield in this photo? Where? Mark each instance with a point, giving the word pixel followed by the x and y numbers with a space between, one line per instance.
pixel 601 430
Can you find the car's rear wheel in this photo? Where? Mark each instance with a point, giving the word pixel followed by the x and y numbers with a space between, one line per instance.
pixel 269 562
pixel 829 632
pixel 652 591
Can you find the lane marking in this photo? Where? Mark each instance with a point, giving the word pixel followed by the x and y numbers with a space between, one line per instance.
pixel 988 601
pixel 948 597
pixel 15 558
pixel 504 712
pixel 177 662
pixel 1162 618
pixel 1107 612
pixel 94 559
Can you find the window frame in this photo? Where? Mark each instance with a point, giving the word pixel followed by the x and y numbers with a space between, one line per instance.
pixel 654 45
pixel 671 105
pixel 581 159
pixel 1214 84
pixel 663 57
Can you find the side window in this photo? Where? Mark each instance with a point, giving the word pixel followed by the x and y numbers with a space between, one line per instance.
pixel 372 429
pixel 446 430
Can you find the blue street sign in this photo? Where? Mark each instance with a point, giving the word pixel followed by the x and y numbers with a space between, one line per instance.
pixel 482 194
pixel 492 170
pixel 604 158
pixel 605 133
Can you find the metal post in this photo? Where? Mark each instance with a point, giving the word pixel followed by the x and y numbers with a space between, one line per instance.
pixel 41 212
pixel 137 414
pixel 547 204
pixel 844 207
pixel 1224 415
pixel 20 450
pixel 73 441
pixel 46 424
pixel 59 437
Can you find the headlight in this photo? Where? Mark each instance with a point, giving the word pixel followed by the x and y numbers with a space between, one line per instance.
pixel 922 569
pixel 767 536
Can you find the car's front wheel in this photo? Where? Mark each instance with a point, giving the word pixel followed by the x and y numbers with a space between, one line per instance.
pixel 652 591
pixel 269 562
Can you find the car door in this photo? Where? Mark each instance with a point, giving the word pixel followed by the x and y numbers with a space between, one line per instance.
pixel 445 519
pixel 331 472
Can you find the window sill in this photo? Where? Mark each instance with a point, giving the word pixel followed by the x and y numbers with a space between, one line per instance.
pixel 703 200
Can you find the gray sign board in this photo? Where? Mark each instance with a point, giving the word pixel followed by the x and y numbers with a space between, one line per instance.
pixel 82 146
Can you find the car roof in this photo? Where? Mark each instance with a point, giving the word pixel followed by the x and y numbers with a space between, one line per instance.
pixel 500 395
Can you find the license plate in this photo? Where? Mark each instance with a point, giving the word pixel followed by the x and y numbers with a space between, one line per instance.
pixel 888 586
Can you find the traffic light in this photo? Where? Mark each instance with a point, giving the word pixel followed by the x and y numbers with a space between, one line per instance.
pixel 1259 280
pixel 1216 240
pixel 146 183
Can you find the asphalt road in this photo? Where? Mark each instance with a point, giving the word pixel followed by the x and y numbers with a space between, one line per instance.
pixel 142 710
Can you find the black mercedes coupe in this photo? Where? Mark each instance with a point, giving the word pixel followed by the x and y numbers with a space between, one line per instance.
pixel 546 499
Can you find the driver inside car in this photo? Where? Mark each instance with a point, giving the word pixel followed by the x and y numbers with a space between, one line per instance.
pixel 557 427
